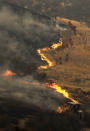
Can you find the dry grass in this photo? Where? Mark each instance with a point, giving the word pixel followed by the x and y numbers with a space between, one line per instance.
pixel 74 74
pixel 75 71
pixel 83 31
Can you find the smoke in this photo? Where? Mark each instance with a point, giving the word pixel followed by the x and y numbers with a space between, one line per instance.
pixel 20 36
pixel 33 94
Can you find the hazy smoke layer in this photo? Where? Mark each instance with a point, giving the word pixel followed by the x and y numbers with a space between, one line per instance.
pixel 72 9
pixel 20 36
pixel 35 94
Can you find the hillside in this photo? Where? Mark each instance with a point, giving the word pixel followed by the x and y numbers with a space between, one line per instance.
pixel 44 65
pixel 72 71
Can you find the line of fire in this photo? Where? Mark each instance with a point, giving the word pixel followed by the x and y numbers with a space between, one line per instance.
pixel 74 104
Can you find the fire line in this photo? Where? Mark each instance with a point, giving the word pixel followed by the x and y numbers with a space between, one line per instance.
pixel 50 64
pixel 60 90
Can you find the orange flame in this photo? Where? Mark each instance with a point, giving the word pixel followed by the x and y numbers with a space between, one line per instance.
pixel 56 45
pixel 44 58
pixel 8 73
pixel 61 91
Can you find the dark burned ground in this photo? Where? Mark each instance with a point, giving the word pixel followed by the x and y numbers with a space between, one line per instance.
pixel 19 116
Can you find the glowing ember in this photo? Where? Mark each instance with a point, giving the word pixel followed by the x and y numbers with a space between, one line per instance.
pixel 61 91
pixel 8 73
pixel 59 109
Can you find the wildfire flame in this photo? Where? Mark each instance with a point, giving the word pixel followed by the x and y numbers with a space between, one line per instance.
pixel 44 58
pixel 56 45
pixel 61 91
pixel 8 73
